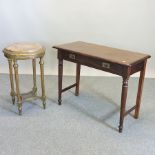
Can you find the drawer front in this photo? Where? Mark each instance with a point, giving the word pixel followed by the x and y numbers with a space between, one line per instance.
pixel 71 57
pixel 94 62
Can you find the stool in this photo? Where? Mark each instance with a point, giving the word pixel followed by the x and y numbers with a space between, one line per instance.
pixel 24 51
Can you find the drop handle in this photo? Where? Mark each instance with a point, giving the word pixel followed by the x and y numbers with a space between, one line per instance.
pixel 106 65
pixel 72 56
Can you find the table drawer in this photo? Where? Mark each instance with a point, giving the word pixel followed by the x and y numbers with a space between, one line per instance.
pixel 94 62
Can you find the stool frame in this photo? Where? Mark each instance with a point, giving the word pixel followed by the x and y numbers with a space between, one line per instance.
pixel 32 94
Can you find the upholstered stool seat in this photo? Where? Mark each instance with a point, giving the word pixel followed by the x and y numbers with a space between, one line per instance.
pixel 23 51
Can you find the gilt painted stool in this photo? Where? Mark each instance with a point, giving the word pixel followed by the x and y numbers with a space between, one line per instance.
pixel 24 51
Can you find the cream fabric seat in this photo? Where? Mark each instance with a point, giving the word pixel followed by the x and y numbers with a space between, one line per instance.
pixel 24 51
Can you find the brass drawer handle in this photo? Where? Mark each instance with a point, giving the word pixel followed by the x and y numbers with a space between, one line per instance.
pixel 105 65
pixel 72 56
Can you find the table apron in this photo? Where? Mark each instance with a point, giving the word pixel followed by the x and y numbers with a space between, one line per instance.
pixel 94 62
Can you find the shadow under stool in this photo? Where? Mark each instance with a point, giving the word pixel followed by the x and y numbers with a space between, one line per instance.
pixel 25 51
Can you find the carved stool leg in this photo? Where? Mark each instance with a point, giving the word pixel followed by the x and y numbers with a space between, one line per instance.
pixel 34 77
pixel 123 102
pixel 42 81
pixel 140 89
pixel 12 93
pixel 19 98
pixel 78 68
pixel 60 74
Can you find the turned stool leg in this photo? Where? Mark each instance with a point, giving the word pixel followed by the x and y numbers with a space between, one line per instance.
pixel 78 67
pixel 19 98
pixel 12 93
pixel 42 81
pixel 34 77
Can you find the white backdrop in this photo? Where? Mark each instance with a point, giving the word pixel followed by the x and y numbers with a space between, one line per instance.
pixel 126 24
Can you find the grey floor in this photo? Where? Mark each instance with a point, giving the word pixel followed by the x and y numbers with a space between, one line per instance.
pixel 84 125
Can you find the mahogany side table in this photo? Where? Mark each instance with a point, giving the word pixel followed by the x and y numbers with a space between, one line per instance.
pixel 120 62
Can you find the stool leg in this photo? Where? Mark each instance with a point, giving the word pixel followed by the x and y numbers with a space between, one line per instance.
pixel 78 68
pixel 19 98
pixel 34 77
pixel 12 93
pixel 42 81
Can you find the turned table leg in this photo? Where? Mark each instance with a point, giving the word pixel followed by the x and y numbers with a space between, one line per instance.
pixel 123 102
pixel 78 68
pixel 60 74
pixel 140 89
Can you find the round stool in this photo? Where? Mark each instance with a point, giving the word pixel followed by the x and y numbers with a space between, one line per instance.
pixel 23 51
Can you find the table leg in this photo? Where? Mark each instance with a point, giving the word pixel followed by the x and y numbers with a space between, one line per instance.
pixel 78 68
pixel 60 74
pixel 140 89
pixel 123 102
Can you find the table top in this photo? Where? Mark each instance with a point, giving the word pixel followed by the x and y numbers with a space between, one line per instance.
pixel 115 55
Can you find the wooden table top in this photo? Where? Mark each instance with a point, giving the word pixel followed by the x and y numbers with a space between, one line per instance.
pixel 115 55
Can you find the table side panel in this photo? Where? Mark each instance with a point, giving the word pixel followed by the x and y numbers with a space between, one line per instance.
pixel 137 67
